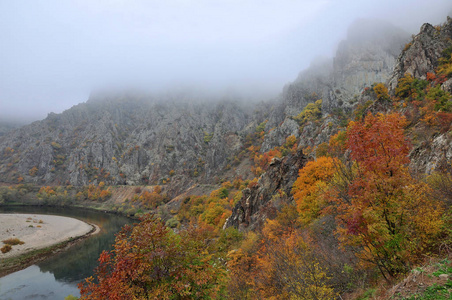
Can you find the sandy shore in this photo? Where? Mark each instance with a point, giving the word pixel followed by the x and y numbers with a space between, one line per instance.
pixel 38 231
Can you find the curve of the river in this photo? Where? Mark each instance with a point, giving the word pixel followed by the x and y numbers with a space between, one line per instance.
pixel 58 276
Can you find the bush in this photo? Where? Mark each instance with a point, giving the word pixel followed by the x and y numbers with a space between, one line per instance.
pixel 172 223
pixel 13 241
pixel 312 112
pixel 6 248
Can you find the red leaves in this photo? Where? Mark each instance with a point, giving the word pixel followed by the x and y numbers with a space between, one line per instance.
pixel 150 261
pixel 355 224
pixel 378 144
pixel 431 76
pixel 380 216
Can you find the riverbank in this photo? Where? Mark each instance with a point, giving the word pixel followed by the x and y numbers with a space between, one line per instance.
pixel 42 236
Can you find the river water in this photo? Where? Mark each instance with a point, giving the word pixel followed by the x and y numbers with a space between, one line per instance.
pixel 58 276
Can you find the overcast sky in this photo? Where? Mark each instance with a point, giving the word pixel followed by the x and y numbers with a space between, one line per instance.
pixel 54 53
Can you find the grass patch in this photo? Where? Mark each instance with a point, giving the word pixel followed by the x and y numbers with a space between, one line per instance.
pixel 368 294
pixel 435 292
pixel 13 241
pixel 444 267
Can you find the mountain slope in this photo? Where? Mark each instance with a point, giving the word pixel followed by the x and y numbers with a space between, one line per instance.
pixel 432 145
pixel 127 141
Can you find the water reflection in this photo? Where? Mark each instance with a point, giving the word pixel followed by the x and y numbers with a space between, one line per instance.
pixel 58 276
pixel 32 283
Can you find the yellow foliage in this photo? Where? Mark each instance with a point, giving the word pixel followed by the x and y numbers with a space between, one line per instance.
pixel 288 269
pixel 312 112
pixel 290 141
pixel 403 88
pixel 307 189
pixel 382 91
pixel 33 171
pixel 445 67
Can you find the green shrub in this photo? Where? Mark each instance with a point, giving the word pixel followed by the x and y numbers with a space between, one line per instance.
pixel 172 223
pixel 312 112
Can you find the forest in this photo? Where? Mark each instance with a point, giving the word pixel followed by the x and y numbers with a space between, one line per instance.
pixel 361 219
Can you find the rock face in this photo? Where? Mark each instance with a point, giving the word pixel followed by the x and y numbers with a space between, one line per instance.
pixel 422 53
pixel 186 139
pixel 359 62
pixel 367 56
pixel 258 203
pixel 429 156
pixel 127 141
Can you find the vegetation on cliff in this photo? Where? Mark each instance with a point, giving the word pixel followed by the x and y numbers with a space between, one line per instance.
pixel 347 199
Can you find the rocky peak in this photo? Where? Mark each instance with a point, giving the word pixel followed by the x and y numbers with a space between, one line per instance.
pixel 421 55
pixel 368 55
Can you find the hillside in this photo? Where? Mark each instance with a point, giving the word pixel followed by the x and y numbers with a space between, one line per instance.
pixel 129 140
pixel 139 139
pixel 337 189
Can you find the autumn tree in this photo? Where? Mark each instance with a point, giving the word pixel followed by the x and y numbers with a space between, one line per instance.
pixel 312 179
pixel 387 217
pixel 149 261
pixel 287 267
pixel 242 268
pixel 278 263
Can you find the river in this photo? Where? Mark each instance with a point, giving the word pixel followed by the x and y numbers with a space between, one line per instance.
pixel 58 276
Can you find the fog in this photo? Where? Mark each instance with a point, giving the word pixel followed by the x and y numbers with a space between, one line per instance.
pixel 53 54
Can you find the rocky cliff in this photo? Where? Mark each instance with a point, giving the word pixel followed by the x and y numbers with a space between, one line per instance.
pixel 273 189
pixel 183 139
pixel 128 140
pixel 421 54
pixel 359 62
pixel 367 56
pixel 419 57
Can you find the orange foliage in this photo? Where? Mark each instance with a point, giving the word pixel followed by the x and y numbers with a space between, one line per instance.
pixel 33 171
pixel 46 191
pixel 307 189
pixel 151 200
pixel 94 192
pixel 149 261
pixel 387 216
pixel 280 264
pixel 431 76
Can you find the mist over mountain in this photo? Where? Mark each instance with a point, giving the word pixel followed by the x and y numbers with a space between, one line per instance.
pixel 55 54
pixel 135 137
pixel 334 186
pixel 184 137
